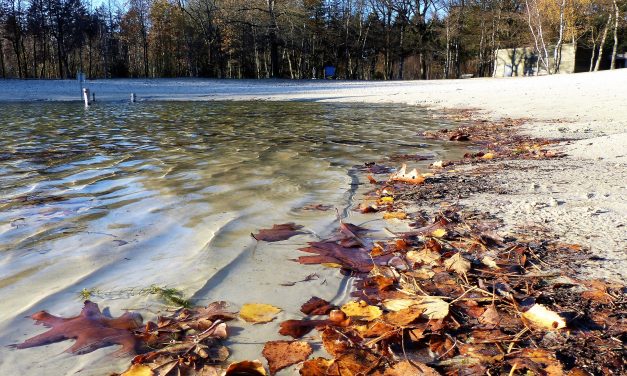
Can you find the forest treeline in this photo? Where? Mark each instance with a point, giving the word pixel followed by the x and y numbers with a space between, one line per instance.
pixel 363 39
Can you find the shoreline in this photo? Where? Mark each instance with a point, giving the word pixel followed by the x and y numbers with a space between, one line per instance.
pixel 582 197
pixel 579 198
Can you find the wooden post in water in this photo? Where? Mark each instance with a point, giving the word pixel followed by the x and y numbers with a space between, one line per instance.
pixel 133 98
pixel 86 96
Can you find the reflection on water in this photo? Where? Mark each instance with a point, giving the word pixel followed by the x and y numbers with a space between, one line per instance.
pixel 120 195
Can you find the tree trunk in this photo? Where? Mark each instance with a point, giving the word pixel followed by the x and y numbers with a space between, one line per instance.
pixel 557 53
pixel 616 18
pixel 274 44
pixel 602 43
pixel 538 39
pixel 447 62
pixel 594 48
pixel 4 75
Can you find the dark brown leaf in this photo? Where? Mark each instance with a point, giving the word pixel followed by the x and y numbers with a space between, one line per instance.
pixel 278 232
pixel 316 306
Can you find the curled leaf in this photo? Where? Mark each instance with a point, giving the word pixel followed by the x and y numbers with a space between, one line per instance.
pixel 247 368
pixel 412 177
pixel 542 317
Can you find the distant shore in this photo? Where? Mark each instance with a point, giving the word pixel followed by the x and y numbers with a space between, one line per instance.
pixel 582 198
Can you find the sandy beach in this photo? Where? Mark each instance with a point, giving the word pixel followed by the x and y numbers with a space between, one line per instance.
pixel 580 199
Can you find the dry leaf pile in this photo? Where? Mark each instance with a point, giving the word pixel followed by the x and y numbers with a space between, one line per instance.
pixel 455 298
pixel 496 139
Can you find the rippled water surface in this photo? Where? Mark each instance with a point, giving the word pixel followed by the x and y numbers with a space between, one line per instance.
pixel 118 197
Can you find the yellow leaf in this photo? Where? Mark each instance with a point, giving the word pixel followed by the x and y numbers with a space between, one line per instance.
pixel 399 304
pixel 434 308
pixel 387 200
pixel 258 313
pixel 138 370
pixel 438 233
pixel 331 265
pixel 394 215
pixel 458 264
pixel 361 311
pixel 488 156
pixel 489 262
pixel 542 317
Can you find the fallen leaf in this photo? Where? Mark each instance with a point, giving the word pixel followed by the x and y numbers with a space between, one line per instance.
pixel 426 257
pixel 91 330
pixel 138 370
pixel 316 306
pixel 538 361
pixel 334 342
pixel 394 215
pixel 320 207
pixel 490 317
pixel 383 282
pixel 434 308
pixel 438 233
pixel 258 313
pixel 412 177
pixel 354 258
pixel 331 265
pixel 405 316
pixel 488 156
pixel 399 304
pixel 282 354
pixel 405 368
pixel 356 362
pixel 361 311
pixel 246 368
pixel 278 232
pixel 298 328
pixel 316 367
pixel 458 264
pixel 489 262
pixel 542 317
pixel 386 200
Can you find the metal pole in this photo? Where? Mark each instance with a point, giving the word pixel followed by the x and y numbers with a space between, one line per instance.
pixel 86 96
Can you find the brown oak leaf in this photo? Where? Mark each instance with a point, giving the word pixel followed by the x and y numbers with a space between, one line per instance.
pixel 91 330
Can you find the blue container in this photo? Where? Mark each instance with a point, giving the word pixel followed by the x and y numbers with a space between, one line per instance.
pixel 329 72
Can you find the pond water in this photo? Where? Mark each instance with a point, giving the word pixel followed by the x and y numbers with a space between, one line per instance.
pixel 118 197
